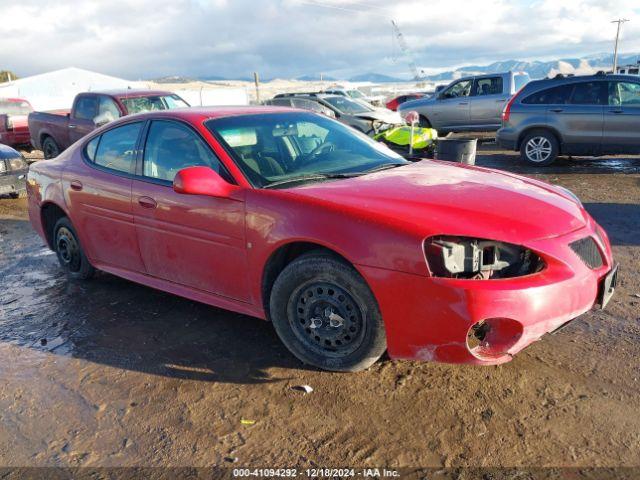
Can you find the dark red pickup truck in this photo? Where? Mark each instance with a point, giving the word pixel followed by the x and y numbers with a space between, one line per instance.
pixel 52 132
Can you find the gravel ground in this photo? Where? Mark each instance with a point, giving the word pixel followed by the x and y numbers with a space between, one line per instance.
pixel 109 373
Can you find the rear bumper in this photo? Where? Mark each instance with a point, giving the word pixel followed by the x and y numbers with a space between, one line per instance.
pixel 13 182
pixel 507 139
pixel 430 318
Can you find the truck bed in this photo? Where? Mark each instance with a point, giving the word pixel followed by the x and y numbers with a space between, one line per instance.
pixel 54 123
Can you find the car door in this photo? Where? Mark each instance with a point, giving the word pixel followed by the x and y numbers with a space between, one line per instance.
pixel 98 193
pixel 451 108
pixel 81 121
pixel 193 240
pixel 487 101
pixel 622 118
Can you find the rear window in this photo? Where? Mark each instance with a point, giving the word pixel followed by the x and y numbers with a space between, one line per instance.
pixel 8 107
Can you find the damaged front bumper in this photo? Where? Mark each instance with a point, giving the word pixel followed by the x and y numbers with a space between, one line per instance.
pixel 486 322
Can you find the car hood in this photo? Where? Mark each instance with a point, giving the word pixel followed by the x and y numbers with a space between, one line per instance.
pixel 431 197
pixel 382 114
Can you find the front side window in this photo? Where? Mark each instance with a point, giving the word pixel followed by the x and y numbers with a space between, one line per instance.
pixel 107 110
pixel 487 86
pixel 170 147
pixel 152 103
pixel 86 108
pixel 116 148
pixel 624 93
pixel 277 148
pixel 459 89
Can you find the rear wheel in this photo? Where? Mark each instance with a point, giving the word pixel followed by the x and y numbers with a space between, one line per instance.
pixel 70 254
pixel 539 147
pixel 50 148
pixel 326 315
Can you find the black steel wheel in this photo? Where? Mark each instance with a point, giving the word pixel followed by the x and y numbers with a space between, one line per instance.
pixel 326 315
pixel 50 148
pixel 70 254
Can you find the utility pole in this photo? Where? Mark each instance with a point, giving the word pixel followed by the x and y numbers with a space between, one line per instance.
pixel 620 21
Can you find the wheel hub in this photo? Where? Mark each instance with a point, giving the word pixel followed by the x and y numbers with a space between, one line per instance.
pixel 68 250
pixel 538 149
pixel 327 318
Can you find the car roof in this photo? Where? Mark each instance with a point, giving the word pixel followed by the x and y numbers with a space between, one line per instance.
pixel 201 114
pixel 123 93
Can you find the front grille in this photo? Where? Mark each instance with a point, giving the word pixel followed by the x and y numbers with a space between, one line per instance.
pixel 588 252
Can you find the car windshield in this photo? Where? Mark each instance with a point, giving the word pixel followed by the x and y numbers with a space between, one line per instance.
pixel 346 105
pixel 15 107
pixel 152 103
pixel 278 149
pixel 356 94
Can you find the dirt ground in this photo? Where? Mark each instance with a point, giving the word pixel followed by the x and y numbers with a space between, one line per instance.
pixel 109 373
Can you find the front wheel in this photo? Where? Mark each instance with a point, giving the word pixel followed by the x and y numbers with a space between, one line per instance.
pixel 326 315
pixel 539 147
pixel 70 254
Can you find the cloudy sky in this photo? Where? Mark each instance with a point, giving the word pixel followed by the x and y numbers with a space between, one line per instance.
pixel 289 38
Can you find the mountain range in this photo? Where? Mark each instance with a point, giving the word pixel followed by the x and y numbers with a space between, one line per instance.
pixel 536 69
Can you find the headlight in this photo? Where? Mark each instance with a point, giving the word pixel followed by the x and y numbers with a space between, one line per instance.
pixel 570 193
pixel 475 258
pixel 17 163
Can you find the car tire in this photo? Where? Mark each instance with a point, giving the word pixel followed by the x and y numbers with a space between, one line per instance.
pixel 326 315
pixel 70 254
pixel 424 122
pixel 539 147
pixel 50 148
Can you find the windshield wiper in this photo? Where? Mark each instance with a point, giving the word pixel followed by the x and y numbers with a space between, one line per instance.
pixel 331 176
pixel 308 178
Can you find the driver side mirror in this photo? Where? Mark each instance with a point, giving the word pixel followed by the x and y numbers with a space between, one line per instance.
pixel 202 181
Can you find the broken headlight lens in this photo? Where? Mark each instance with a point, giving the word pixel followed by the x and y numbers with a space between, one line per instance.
pixel 475 258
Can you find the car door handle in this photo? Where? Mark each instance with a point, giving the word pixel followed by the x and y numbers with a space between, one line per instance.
pixel 147 202
pixel 616 111
pixel 463 103
pixel 501 101
pixel 556 110
pixel 76 185
pixel 72 127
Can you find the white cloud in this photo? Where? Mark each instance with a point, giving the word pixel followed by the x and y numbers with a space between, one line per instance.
pixel 150 38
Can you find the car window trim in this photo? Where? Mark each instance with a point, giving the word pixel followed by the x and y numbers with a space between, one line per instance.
pixel 160 181
pixel 119 173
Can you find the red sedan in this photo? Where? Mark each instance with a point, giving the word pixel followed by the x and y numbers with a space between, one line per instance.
pixel 347 248
pixel 395 102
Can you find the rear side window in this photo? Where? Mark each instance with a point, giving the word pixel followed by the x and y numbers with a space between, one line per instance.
pixel 170 147
pixel 116 148
pixel 559 95
pixel 589 93
pixel 86 108
pixel 487 86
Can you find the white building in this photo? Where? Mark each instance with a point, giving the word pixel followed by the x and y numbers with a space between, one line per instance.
pixel 57 89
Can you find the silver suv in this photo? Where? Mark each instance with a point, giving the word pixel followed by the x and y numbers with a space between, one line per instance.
pixel 587 115
pixel 468 104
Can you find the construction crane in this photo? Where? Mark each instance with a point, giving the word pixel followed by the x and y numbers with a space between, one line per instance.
pixel 402 43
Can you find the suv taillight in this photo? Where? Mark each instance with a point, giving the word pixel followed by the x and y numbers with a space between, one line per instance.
pixel 506 112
